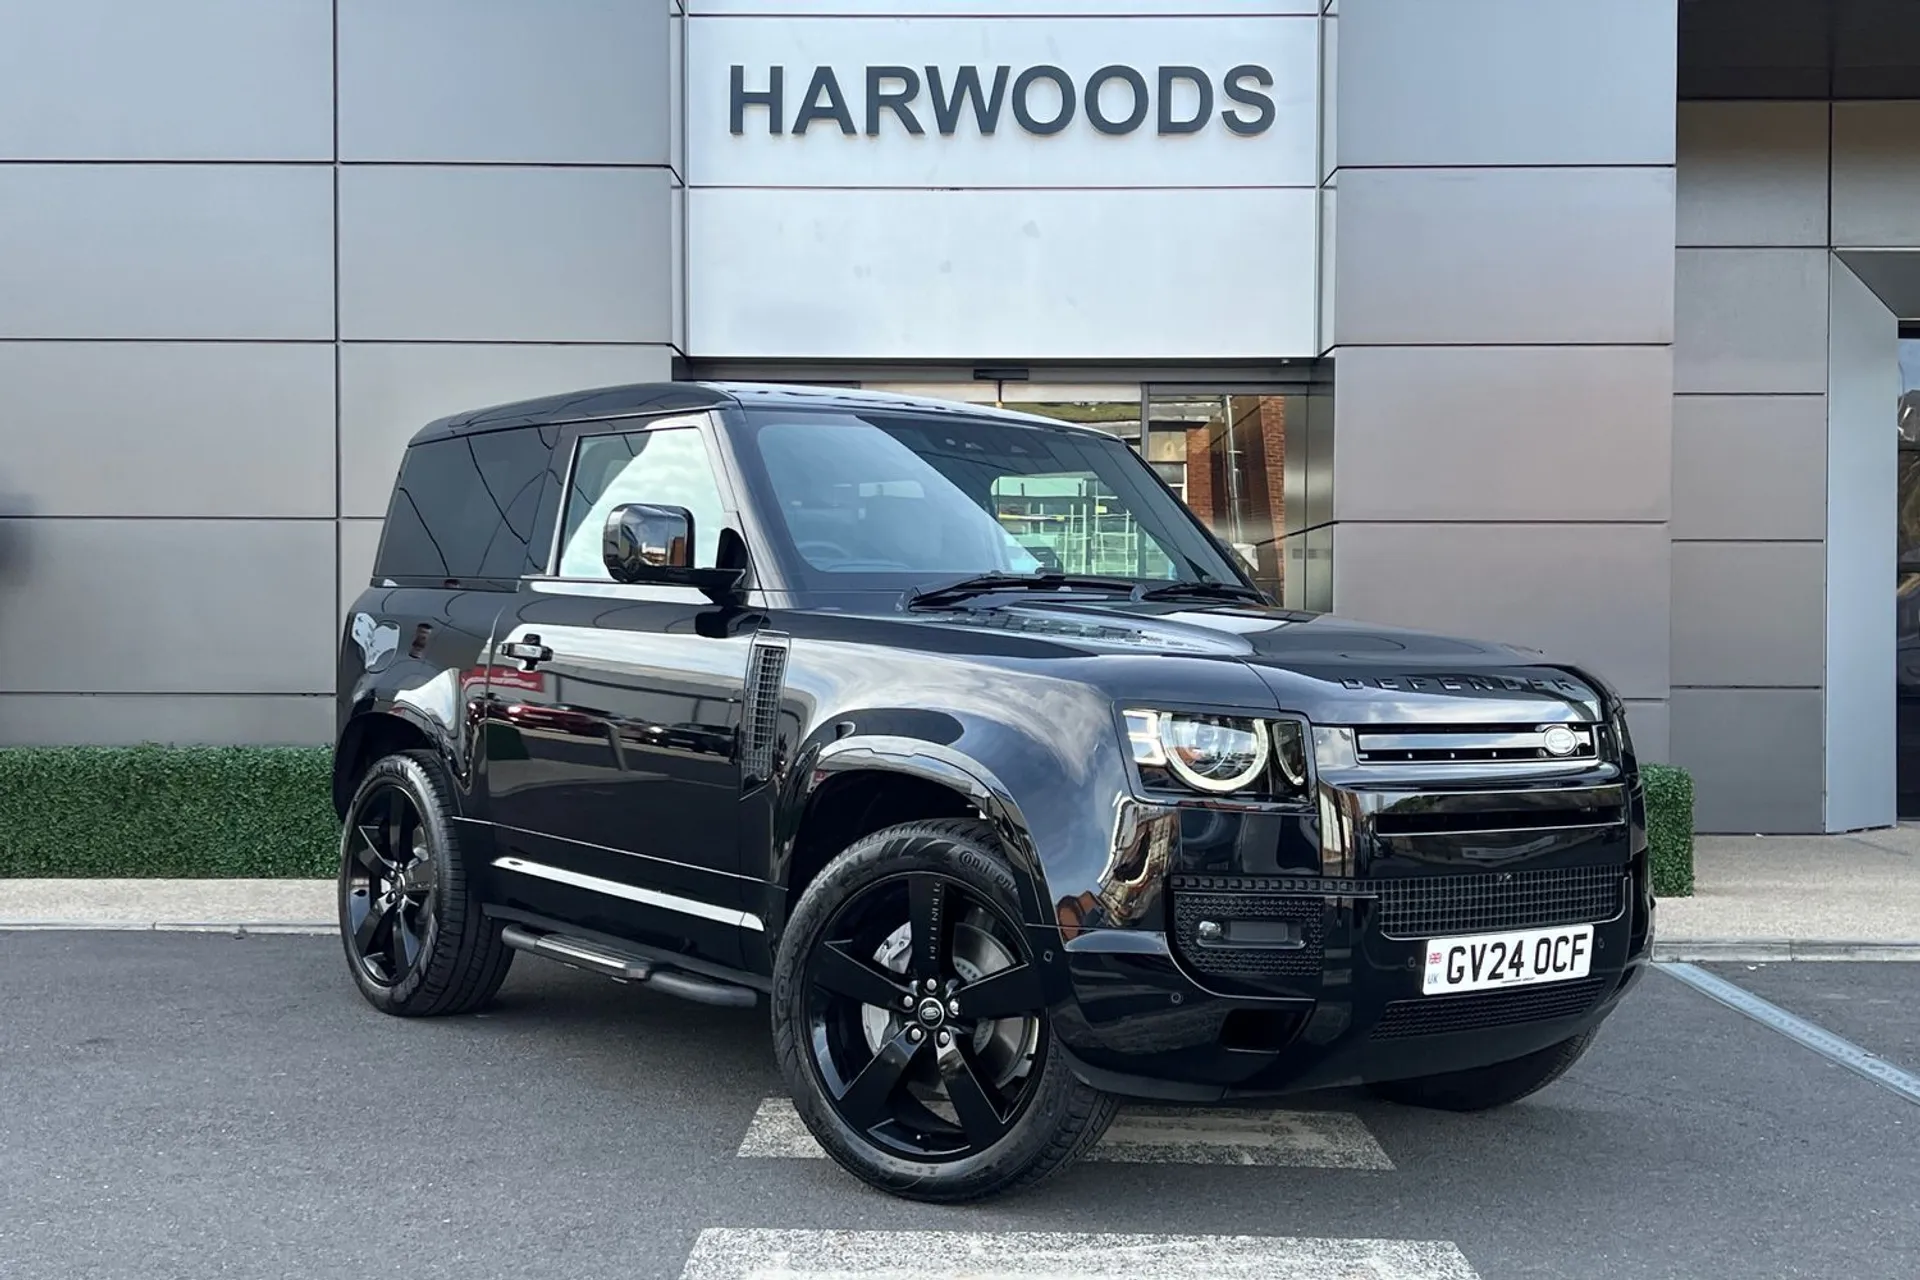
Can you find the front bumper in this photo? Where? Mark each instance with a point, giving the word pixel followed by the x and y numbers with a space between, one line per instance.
pixel 1152 1012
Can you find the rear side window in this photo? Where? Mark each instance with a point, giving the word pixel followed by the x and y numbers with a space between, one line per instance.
pixel 469 507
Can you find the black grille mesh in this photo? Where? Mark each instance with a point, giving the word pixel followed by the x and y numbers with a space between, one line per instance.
pixel 761 715
pixel 1491 900
pixel 1189 909
pixel 1442 1015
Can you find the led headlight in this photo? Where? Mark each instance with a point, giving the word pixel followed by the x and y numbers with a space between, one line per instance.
pixel 1209 753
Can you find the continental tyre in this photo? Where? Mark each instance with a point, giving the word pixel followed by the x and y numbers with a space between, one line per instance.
pixel 911 1023
pixel 1484 1088
pixel 416 941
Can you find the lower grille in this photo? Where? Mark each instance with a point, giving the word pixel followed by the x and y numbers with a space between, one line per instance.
pixel 1437 905
pixel 1306 915
pixel 1444 1015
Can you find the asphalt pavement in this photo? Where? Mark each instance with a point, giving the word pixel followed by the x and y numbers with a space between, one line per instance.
pixel 198 1105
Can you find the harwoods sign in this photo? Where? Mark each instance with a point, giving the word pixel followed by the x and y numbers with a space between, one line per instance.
pixel 1115 100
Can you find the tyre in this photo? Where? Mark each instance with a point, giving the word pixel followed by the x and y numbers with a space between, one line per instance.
pixel 417 943
pixel 1484 1088
pixel 911 1023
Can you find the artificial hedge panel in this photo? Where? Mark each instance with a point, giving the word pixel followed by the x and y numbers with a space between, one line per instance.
pixel 267 812
pixel 167 812
pixel 1669 829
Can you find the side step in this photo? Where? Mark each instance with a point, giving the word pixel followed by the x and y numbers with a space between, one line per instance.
pixel 594 957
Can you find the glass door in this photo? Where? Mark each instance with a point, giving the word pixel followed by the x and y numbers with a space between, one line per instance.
pixel 1907 583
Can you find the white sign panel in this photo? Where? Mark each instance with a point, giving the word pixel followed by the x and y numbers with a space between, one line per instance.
pixel 1021 188
pixel 956 102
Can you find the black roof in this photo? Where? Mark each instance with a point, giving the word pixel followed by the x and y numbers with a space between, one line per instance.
pixel 640 399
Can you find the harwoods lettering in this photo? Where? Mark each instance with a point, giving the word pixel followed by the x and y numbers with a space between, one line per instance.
pixel 894 91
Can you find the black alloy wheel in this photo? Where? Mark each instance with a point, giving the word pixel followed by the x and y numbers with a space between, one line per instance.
pixel 389 884
pixel 912 1024
pixel 924 1017
pixel 416 938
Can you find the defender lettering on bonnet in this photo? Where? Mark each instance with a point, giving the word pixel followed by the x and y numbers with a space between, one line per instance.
pixel 895 90
pixel 1463 684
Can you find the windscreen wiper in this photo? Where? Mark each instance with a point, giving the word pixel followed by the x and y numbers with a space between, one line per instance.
pixel 981 584
pixel 1205 588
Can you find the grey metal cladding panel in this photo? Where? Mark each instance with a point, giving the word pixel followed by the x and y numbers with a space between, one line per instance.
pixel 1750 320
pixel 505 254
pixel 169 428
pixel 1585 593
pixel 359 543
pixel 1650 723
pixel 166 251
pixel 388 391
pixel 1750 467
pixel 1490 256
pixel 185 720
pixel 499 81
pixel 170 606
pixel 184 80
pixel 1752 174
pixel 1876 174
pixel 1749 613
pixel 1506 82
pixel 1755 756
pixel 1508 427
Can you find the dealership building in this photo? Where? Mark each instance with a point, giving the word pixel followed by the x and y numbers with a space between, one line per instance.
pixel 1570 323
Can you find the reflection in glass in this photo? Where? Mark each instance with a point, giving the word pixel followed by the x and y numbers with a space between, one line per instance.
pixel 1225 455
pixel 1907 589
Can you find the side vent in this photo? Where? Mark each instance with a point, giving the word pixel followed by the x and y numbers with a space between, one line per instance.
pixel 760 717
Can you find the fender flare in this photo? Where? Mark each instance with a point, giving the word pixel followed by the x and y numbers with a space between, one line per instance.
pixel 944 766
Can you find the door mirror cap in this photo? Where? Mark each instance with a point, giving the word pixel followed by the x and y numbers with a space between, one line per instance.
pixel 647 543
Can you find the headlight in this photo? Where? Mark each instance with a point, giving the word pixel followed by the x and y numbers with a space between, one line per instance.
pixel 1216 754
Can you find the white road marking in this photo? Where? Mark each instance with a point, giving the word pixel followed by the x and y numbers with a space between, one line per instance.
pixel 1154 1135
pixel 729 1254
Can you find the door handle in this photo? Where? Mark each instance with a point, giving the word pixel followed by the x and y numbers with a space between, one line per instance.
pixel 529 652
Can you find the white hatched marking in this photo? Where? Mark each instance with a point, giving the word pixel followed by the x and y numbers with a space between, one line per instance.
pixel 728 1254
pixel 1154 1135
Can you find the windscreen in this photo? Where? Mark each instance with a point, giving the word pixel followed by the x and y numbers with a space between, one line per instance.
pixel 883 501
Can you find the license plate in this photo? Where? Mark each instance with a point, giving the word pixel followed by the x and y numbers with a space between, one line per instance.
pixel 1486 960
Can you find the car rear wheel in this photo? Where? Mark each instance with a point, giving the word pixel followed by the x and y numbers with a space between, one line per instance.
pixel 911 1022
pixel 1483 1088
pixel 417 943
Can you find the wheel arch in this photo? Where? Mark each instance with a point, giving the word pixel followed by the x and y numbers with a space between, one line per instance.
pixel 369 736
pixel 857 786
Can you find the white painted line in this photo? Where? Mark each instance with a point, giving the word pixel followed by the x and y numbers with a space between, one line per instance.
pixel 728 1254
pixel 1154 1135
pixel 1816 1038
pixel 313 929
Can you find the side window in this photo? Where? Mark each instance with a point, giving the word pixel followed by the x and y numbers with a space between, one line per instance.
pixel 467 507
pixel 668 466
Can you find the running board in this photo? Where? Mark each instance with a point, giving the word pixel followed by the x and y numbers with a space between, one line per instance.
pixel 594 957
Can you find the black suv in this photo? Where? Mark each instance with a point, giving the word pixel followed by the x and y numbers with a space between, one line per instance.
pixel 954 734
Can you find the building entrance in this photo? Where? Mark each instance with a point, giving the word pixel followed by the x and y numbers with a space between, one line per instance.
pixel 1907 586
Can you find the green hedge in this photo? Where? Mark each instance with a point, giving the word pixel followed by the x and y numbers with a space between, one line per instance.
pixel 268 812
pixel 1669 829
pixel 167 811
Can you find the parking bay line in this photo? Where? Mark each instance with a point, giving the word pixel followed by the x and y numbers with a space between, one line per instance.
pixel 1154 1135
pixel 752 1254
pixel 1823 1042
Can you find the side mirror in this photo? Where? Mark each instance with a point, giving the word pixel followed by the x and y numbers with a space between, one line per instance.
pixel 645 543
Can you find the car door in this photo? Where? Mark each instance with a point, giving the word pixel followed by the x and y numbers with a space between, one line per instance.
pixel 612 764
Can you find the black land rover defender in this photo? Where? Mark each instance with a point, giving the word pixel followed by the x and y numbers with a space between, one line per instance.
pixel 955 735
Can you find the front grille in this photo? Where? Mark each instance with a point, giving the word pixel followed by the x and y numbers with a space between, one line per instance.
pixel 1493 900
pixel 1444 1015
pixel 1307 915
pixel 1477 744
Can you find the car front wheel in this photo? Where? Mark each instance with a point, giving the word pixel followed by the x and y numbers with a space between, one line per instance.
pixel 1483 1088
pixel 911 1023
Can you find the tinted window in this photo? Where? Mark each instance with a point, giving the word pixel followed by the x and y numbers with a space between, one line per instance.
pixel 468 507
pixel 668 466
